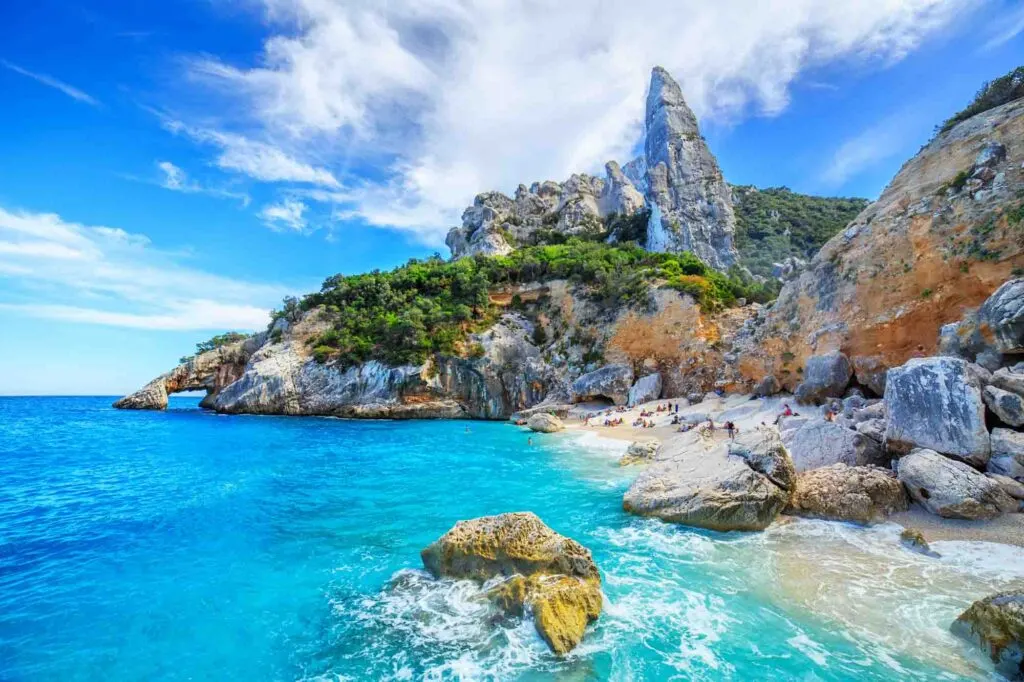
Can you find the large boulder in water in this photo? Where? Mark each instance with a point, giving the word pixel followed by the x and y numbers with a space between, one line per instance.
pixel 996 624
pixel 611 382
pixel 935 403
pixel 552 574
pixel 645 389
pixel 825 376
pixel 848 493
pixel 950 488
pixel 544 423
pixel 717 489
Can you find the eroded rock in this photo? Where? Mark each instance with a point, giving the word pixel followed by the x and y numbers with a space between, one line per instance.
pixel 645 389
pixel 1009 407
pixel 639 452
pixel 825 376
pixel 951 489
pixel 611 382
pixel 544 423
pixel 996 624
pixel 1007 454
pixel 913 539
pixel 862 494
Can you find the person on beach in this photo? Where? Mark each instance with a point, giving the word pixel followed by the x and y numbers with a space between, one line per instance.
pixel 730 429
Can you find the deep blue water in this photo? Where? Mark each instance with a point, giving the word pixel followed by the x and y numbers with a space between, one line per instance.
pixel 188 545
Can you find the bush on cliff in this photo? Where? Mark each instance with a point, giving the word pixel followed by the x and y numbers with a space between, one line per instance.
pixel 991 95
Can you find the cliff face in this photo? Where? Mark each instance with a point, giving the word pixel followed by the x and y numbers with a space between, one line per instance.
pixel 942 237
pixel 678 180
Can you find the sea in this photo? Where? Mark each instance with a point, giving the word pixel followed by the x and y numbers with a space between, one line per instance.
pixel 187 545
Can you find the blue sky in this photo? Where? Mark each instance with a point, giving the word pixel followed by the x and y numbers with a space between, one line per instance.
pixel 171 170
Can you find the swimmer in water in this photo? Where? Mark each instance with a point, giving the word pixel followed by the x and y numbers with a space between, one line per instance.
pixel 529 441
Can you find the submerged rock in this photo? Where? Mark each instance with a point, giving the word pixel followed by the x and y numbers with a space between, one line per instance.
pixel 848 493
pixel 951 489
pixel 553 575
pixel 913 539
pixel 935 403
pixel 544 423
pixel 996 624
pixel 717 490
pixel 639 452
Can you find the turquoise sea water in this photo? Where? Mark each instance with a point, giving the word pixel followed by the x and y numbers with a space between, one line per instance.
pixel 188 545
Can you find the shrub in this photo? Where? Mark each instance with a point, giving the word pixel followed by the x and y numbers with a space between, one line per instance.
pixel 220 340
pixel 991 95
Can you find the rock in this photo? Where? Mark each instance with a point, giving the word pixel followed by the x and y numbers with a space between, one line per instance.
pixel 1008 379
pixel 557 409
pixel 639 451
pixel 1011 487
pixel 996 624
pixel 844 493
pixel 951 489
pixel 1009 407
pixel 767 456
pixel 691 204
pixel 645 390
pixel 819 443
pixel 1001 317
pixel 767 387
pixel 553 574
pixel 611 382
pixel 913 539
pixel 935 403
pixel 544 423
pixel 872 411
pixel 1007 454
pixel 792 423
pixel 694 398
pixel 825 376
pixel 870 372
pixel 705 489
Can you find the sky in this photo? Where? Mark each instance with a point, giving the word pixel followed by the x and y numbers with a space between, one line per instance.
pixel 171 170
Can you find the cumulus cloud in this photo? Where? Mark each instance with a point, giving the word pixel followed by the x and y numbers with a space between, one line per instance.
pixel 56 269
pixel 446 98
pixel 50 81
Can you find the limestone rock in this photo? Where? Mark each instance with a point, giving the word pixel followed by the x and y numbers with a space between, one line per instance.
pixel 819 443
pixel 768 386
pixel 645 389
pixel 935 403
pixel 611 382
pixel 951 489
pixel 691 204
pixel 767 455
pixel 1007 454
pixel 544 423
pixel 848 493
pixel 705 489
pixel 825 376
pixel 870 371
pixel 639 452
pixel 1002 315
pixel 996 624
pixel 1008 379
pixel 913 539
pixel 1009 407
pixel 1011 487
pixel 553 574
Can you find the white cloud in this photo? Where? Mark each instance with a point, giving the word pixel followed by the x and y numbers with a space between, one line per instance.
pixel 56 269
pixel 881 141
pixel 1009 26
pixel 446 98
pixel 288 213
pixel 52 82
pixel 177 180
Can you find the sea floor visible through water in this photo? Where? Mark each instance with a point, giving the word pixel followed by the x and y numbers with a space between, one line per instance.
pixel 189 545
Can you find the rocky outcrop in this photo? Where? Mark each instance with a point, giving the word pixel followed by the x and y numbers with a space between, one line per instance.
pixel 645 390
pixel 717 490
pixel 848 493
pixel 551 574
pixel 611 382
pixel 1007 454
pixel 951 489
pixel 640 452
pixel 938 242
pixel 996 624
pixel 690 202
pixel 544 423
pixel 825 376
pixel 935 403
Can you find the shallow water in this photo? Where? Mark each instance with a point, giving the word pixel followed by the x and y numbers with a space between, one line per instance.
pixel 188 545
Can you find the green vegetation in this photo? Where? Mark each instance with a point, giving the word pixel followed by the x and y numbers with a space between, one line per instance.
pixel 214 343
pixel 431 306
pixel 775 223
pixel 991 95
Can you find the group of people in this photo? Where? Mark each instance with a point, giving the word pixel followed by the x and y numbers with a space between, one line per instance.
pixel 642 423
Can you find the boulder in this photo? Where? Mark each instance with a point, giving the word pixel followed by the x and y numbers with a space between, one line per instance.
pixel 559 410
pixel 1009 379
pixel 152 396
pixel 767 387
pixel 544 423
pixel 767 455
pixel 1001 318
pixel 639 451
pixel 951 489
pixel 1007 454
pixel 870 372
pixel 554 575
pixel 1009 407
pixel 1011 487
pixel 848 493
pixel 825 376
pixel 820 443
pixel 913 539
pixel 712 489
pixel 611 382
pixel 935 403
pixel 996 624
pixel 645 389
